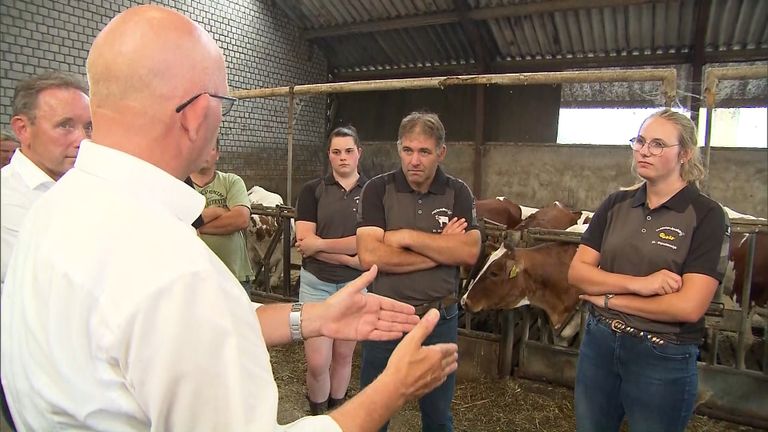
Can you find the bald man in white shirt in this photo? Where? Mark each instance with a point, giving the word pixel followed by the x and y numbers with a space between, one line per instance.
pixel 134 324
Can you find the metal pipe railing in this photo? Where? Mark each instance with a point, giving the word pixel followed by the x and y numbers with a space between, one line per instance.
pixel 667 76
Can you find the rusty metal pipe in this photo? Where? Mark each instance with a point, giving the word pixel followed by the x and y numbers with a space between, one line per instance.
pixel 667 76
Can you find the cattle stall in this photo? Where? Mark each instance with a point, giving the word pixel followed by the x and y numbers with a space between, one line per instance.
pixel 283 214
pixel 731 392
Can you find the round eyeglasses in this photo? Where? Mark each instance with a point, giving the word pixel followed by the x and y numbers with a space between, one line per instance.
pixel 655 146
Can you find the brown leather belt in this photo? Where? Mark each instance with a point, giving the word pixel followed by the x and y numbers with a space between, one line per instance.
pixel 437 304
pixel 620 326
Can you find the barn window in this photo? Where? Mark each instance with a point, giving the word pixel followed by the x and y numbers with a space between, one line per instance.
pixel 732 127
pixel 737 127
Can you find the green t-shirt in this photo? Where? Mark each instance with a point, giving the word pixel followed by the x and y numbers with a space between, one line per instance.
pixel 228 190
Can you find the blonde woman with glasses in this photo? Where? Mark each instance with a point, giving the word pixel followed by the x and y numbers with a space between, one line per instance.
pixel 649 264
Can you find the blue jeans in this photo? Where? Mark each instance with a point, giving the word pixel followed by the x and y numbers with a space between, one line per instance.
pixel 436 405
pixel 618 374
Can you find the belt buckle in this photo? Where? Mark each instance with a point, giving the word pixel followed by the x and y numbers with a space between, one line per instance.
pixel 618 326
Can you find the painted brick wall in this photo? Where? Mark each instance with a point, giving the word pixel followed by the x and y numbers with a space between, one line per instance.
pixel 262 48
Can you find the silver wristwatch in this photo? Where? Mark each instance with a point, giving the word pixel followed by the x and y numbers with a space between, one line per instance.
pixel 294 318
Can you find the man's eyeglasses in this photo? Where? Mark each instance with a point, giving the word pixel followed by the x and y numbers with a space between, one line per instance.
pixel 227 102
pixel 655 146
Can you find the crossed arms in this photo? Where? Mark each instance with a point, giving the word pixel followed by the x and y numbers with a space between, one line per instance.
pixel 221 220
pixel 407 250
pixel 662 296
pixel 335 251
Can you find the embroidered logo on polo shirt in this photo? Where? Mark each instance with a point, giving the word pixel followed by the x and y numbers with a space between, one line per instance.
pixel 667 236
pixel 442 216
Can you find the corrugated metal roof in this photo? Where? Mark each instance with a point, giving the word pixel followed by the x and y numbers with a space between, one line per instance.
pixel 408 34
pixel 389 38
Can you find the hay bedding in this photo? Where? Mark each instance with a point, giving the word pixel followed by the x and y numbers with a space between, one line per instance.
pixel 478 406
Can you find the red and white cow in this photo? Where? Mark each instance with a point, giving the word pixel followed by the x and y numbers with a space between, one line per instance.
pixel 260 233
pixel 553 294
pixel 737 255
pixel 555 216
pixel 512 277
pixel 499 210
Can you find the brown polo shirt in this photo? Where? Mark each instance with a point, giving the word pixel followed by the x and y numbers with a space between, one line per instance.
pixel 389 202
pixel 687 234
pixel 333 209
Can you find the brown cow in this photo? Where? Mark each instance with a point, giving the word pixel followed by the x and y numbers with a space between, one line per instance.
pixel 499 210
pixel 738 254
pixel 556 216
pixel 538 274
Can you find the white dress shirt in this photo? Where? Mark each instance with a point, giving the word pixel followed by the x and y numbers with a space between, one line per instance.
pixel 21 184
pixel 117 317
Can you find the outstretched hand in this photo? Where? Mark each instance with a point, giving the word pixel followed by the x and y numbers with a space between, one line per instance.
pixel 351 314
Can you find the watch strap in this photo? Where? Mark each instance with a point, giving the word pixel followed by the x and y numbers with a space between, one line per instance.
pixel 294 318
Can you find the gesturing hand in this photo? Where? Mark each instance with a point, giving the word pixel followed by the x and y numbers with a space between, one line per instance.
pixel 419 369
pixel 350 314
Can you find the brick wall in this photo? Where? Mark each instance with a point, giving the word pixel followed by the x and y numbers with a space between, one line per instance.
pixel 261 46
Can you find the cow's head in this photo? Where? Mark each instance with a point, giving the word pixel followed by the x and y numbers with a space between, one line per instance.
pixel 499 285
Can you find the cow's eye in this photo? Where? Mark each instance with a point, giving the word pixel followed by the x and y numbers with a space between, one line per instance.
pixel 493 274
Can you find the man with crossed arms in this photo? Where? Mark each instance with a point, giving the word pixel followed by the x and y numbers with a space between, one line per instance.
pixel 418 225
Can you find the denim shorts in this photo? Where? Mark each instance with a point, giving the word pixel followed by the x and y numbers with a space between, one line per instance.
pixel 314 290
